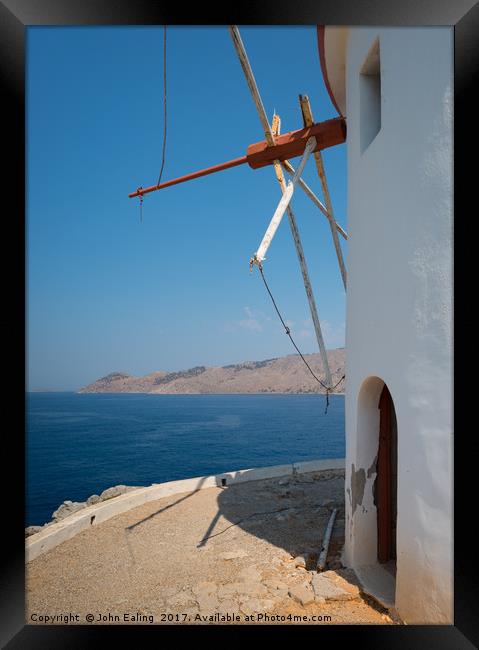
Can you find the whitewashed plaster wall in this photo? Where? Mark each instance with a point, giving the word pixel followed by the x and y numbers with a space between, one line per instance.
pixel 399 309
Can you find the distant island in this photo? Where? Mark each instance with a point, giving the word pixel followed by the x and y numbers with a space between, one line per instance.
pixel 281 375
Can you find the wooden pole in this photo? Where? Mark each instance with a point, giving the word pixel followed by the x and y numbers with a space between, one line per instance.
pixel 238 43
pixel 308 121
pixel 248 72
pixel 323 556
pixel 309 192
pixel 188 177
pixel 304 271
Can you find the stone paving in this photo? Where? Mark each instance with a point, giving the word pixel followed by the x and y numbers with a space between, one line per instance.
pixel 239 554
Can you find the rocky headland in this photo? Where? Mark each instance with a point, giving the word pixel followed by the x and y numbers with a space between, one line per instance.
pixel 281 375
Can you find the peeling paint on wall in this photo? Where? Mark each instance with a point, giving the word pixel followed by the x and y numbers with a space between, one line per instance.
pixel 358 481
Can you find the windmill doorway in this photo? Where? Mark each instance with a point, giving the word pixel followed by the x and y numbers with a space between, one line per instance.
pixel 386 482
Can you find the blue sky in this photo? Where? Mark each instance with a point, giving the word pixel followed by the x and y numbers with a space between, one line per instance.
pixel 106 292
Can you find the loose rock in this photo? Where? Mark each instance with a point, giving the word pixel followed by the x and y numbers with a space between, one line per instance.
pixel 31 530
pixel 300 561
pixel 331 586
pixel 274 584
pixel 115 491
pixel 251 588
pixel 254 605
pixel 301 594
pixel 66 509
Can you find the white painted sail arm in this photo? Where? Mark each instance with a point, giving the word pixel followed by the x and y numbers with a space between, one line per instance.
pixel 284 203
pixel 251 81
pixel 309 192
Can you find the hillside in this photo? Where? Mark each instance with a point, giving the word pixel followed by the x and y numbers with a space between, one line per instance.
pixel 282 375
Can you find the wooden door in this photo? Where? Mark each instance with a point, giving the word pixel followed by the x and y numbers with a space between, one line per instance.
pixel 386 479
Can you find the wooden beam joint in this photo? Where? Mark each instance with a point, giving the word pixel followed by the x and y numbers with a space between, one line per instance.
pixel 292 144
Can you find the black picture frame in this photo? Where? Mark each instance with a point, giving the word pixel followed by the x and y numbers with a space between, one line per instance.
pixel 15 17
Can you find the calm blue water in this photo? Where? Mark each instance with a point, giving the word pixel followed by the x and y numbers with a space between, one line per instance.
pixel 79 445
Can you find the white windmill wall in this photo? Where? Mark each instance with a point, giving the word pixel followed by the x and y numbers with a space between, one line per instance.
pixel 399 308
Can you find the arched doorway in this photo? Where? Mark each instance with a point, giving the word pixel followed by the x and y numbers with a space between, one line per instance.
pixel 371 491
pixel 386 481
pixel 372 478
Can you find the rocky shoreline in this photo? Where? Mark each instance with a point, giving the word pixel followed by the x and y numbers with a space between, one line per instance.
pixel 68 508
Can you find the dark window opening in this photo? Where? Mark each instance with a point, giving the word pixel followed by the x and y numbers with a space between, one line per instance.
pixel 370 96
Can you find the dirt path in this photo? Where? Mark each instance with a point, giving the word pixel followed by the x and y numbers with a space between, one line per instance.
pixel 212 556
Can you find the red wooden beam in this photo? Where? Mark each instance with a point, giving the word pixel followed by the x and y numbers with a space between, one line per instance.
pixel 188 177
pixel 260 154
pixel 292 144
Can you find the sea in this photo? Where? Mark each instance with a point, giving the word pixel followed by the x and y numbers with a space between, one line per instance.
pixel 80 444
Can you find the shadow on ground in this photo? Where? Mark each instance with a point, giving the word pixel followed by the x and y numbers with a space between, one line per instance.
pixel 290 513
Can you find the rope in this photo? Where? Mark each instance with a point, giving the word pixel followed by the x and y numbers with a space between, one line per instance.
pixel 164 124
pixel 288 332
pixel 141 205
pixel 164 106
